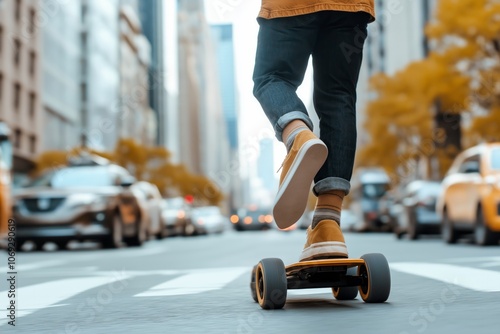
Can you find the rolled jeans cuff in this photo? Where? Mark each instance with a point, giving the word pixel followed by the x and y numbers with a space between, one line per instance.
pixel 284 120
pixel 331 183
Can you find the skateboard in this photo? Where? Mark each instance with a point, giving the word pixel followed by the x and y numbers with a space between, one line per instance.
pixel 370 275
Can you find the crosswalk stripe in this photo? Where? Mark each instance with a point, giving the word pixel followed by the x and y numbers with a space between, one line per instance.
pixel 40 296
pixel 469 278
pixel 195 282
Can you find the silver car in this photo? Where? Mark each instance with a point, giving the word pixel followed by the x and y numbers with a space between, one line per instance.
pixel 79 203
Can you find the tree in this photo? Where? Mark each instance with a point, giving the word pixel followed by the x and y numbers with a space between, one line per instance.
pixel 471 44
pixel 400 120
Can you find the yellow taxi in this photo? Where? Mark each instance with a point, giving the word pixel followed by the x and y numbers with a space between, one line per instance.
pixel 470 197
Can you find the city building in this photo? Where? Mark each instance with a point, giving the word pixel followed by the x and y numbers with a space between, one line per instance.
pixel 224 46
pixel 204 143
pixel 136 120
pixel 154 19
pixel 61 72
pixel 20 79
pixel 100 81
pixel 265 165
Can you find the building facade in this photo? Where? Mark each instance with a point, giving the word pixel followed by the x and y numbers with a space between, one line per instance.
pixel 100 84
pixel 136 119
pixel 20 79
pixel 61 56
pixel 151 14
pixel 204 143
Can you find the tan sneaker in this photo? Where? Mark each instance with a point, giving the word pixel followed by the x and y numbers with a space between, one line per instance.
pixel 307 155
pixel 324 241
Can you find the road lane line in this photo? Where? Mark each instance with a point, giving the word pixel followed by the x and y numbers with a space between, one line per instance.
pixel 38 265
pixel 470 278
pixel 195 282
pixel 40 296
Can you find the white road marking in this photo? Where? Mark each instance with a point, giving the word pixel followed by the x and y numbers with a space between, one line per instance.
pixel 38 265
pixel 41 296
pixel 196 282
pixel 469 278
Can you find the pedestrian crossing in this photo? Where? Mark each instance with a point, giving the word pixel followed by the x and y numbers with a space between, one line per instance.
pixel 179 282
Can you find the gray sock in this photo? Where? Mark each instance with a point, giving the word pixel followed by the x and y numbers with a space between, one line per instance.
pixel 292 136
pixel 323 214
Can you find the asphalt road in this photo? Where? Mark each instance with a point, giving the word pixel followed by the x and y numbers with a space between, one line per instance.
pixel 201 285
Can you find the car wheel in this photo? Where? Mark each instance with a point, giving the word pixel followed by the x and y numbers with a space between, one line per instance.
pixel 483 236
pixel 413 228
pixel 189 230
pixel 61 245
pixel 115 238
pixel 448 232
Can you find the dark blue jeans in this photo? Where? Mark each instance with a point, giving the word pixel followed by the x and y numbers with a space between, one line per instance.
pixel 335 40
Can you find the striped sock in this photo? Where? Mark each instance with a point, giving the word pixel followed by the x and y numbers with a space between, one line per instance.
pixel 329 206
pixel 291 137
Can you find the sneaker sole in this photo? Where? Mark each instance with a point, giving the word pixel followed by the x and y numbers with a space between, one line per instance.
pixel 291 200
pixel 324 250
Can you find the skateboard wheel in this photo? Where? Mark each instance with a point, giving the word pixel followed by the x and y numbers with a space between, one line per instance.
pixel 252 284
pixel 271 284
pixel 346 292
pixel 377 276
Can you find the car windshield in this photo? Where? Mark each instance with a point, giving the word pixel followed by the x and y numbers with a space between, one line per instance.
pixel 75 177
pixel 495 159
pixel 375 190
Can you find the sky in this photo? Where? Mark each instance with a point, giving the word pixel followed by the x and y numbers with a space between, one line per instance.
pixel 242 14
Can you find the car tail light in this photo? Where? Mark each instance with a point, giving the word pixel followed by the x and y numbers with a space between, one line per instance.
pixel 262 219
pixel 268 219
pixel 181 214
pixel 234 219
pixel 248 220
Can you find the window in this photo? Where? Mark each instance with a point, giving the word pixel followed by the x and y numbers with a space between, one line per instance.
pixel 32 105
pixel 32 144
pixel 17 96
pixel 470 165
pixel 1 39
pixel 32 21
pixel 17 10
pixel 32 63
pixel 17 138
pixel 17 52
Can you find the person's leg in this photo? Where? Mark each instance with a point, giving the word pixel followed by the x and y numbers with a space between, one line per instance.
pixel 336 71
pixel 283 51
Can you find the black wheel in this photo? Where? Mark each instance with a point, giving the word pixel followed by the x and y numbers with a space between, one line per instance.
pixel 483 236
pixel 115 238
pixel 271 284
pixel 61 245
pixel 413 228
pixel 252 285
pixel 448 231
pixel 347 292
pixel 377 277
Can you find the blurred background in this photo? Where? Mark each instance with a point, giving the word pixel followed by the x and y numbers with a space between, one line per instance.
pixel 133 108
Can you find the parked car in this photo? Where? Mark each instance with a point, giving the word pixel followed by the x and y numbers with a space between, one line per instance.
pixel 176 215
pixel 150 204
pixel 79 202
pixel 414 211
pixel 208 220
pixel 470 199
pixel 368 187
pixel 252 218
